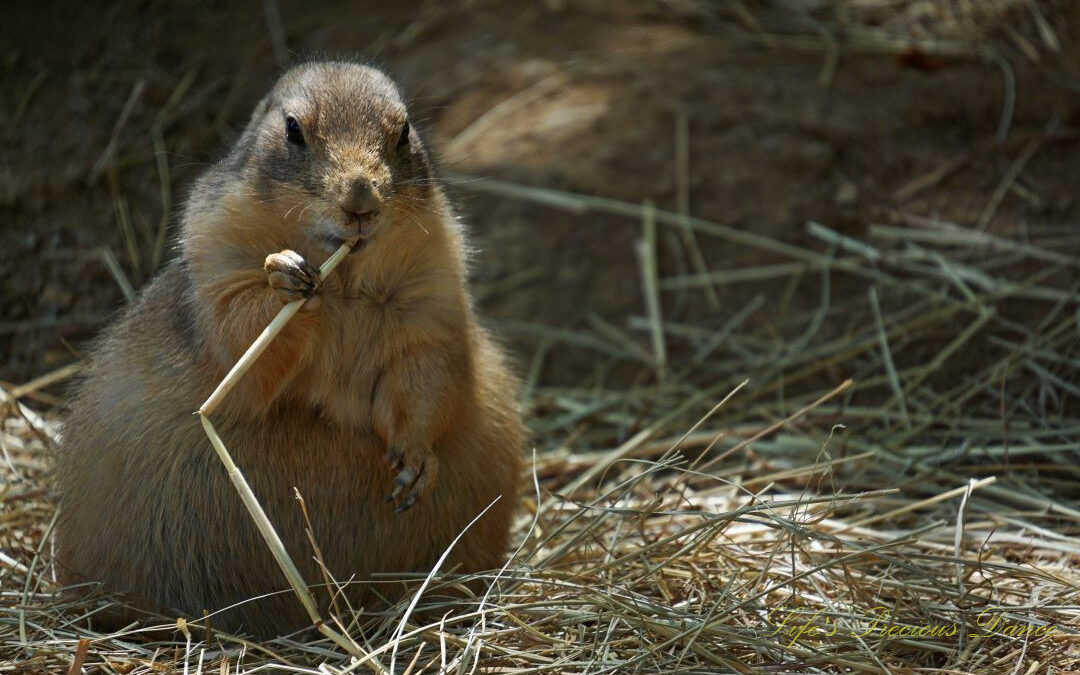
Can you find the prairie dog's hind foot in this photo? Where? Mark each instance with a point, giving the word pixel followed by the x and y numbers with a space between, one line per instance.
pixel 291 277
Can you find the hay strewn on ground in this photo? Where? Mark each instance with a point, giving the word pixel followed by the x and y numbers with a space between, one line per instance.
pixel 725 512
pixel 923 516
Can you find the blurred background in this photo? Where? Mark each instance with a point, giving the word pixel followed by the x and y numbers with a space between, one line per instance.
pixel 878 189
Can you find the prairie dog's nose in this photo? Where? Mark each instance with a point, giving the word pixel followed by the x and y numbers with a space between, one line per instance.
pixel 360 199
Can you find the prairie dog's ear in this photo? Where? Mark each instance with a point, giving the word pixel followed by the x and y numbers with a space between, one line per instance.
pixel 243 147
pixel 256 118
pixel 262 107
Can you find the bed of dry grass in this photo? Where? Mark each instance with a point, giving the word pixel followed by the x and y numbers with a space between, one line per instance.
pixel 745 507
pixel 700 523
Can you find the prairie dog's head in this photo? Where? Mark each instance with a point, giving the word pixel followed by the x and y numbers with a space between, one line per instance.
pixel 332 149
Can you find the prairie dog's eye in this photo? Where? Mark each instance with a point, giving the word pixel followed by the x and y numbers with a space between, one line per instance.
pixel 292 131
pixel 403 139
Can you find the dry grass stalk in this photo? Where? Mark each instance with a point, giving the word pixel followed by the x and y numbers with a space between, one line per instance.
pixel 266 528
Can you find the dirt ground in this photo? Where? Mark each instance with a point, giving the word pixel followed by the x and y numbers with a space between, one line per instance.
pixel 113 110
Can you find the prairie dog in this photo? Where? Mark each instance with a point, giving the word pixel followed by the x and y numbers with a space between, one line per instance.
pixel 383 387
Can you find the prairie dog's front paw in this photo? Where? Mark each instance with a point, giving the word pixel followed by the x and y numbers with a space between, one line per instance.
pixel 416 473
pixel 291 277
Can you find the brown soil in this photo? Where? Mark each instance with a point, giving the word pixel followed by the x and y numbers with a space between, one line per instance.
pixel 578 96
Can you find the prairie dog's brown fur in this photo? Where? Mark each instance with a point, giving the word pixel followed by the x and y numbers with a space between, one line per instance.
pixel 382 386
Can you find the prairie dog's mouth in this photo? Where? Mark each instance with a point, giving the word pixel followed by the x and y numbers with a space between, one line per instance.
pixel 334 234
pixel 336 242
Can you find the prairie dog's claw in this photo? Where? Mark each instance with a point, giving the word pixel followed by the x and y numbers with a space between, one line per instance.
pixel 291 277
pixel 415 477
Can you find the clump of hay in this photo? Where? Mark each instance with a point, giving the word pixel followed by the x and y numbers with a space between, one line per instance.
pixel 969 20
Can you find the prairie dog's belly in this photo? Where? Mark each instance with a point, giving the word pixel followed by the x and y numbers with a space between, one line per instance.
pixel 343 477
pixel 359 339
